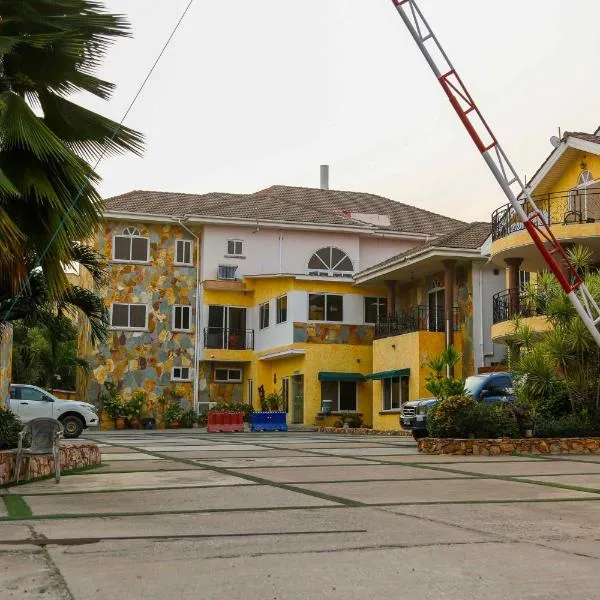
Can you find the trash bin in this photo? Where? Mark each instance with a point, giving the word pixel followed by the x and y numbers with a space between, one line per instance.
pixel 326 406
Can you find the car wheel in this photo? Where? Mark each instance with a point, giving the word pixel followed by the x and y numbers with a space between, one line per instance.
pixel 419 434
pixel 72 425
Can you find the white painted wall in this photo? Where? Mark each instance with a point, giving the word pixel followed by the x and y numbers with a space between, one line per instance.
pixel 271 251
pixel 374 250
pixel 485 284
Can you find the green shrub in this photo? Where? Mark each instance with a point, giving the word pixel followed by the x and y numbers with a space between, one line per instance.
pixel 461 416
pixel 202 419
pixel 578 424
pixel 10 426
pixel 247 409
pixel 188 418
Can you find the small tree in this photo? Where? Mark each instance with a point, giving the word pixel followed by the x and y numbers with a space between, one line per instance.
pixel 438 383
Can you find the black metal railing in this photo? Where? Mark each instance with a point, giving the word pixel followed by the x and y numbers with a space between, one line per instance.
pixel 557 208
pixel 219 338
pixel 418 318
pixel 518 302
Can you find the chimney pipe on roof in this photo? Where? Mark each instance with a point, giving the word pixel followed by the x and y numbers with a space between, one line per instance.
pixel 324 177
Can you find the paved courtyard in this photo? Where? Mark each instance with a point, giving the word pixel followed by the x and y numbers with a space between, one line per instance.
pixel 302 516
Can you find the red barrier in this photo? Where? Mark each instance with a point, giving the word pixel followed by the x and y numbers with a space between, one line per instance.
pixel 225 422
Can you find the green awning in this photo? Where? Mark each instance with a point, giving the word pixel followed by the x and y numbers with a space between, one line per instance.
pixel 388 374
pixel 327 376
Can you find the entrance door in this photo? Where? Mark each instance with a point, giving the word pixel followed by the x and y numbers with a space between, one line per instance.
pixel 436 315
pixel 298 396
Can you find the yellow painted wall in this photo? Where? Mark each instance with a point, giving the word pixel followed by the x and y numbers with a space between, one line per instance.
pixel 409 351
pixel 537 324
pixel 228 298
pixel 318 357
pixel 569 176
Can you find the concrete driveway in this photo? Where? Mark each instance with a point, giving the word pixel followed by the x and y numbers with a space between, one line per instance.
pixel 302 516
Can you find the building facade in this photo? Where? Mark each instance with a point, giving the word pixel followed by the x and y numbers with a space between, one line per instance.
pixel 232 297
pixel 566 189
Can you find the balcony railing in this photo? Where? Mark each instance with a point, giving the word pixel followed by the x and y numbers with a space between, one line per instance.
pixel 418 318
pixel 219 338
pixel 518 302
pixel 558 208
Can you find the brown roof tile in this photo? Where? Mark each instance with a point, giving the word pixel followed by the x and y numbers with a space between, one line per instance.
pixel 467 237
pixel 290 204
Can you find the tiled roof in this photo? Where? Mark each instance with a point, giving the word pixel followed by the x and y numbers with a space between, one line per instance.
pixel 470 236
pixel 289 204
pixel 588 137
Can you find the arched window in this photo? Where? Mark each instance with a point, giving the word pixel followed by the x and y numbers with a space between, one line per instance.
pixel 330 262
pixel 131 231
pixel 130 246
pixel 584 178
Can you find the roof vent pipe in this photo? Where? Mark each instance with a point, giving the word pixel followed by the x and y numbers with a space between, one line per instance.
pixel 324 177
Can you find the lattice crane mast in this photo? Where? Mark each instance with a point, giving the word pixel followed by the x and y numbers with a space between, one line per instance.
pixel 500 166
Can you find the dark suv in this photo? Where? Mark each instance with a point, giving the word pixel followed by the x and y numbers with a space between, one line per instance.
pixel 491 387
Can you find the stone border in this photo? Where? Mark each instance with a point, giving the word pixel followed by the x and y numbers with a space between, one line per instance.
pixel 73 455
pixel 497 447
pixel 364 431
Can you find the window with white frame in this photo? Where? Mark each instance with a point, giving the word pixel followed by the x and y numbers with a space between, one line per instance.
pixel 235 248
pixel 330 262
pixel 524 278
pixel 183 252
pixel 181 374
pixel 227 375
pixel 395 392
pixel 130 246
pixel 129 316
pixel 282 304
pixel 182 317
pixel 227 272
pixel 343 394
pixel 325 307
pixel 375 309
pixel 263 315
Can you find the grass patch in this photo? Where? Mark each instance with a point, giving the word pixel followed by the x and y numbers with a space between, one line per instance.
pixel 17 507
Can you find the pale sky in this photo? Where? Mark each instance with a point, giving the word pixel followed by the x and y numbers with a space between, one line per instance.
pixel 256 93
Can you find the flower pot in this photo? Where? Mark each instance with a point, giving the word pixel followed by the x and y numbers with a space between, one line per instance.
pixel 135 423
pixel 106 423
pixel 174 425
pixel 120 423
pixel 161 425
pixel 528 433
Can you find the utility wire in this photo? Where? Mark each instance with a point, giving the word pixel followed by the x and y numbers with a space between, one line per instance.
pixel 100 158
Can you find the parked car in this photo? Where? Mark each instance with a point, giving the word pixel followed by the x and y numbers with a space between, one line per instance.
pixel 29 402
pixel 490 387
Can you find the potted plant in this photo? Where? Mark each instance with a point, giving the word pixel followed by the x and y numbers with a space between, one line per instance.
pixel 134 409
pixel 173 414
pixel 111 406
pixel 274 401
pixel 188 418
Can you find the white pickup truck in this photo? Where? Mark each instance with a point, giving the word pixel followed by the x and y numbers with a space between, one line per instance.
pixel 30 402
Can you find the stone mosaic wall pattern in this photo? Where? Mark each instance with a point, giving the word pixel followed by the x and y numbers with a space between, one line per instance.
pixel 6 336
pixel 328 333
pixel 211 391
pixel 144 359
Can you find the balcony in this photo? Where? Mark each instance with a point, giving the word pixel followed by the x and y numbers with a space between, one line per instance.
pixel 219 338
pixel 418 318
pixel 558 208
pixel 527 304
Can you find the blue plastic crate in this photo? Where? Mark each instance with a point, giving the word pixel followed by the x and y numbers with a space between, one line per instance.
pixel 268 421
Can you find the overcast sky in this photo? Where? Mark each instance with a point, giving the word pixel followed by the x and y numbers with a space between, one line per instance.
pixel 256 93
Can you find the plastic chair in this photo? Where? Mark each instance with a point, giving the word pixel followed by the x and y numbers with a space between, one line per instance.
pixel 45 441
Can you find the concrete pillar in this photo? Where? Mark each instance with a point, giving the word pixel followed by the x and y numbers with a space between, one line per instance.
pixel 391 297
pixel 449 276
pixel 513 266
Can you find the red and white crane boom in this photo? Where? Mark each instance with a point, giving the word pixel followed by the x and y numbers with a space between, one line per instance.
pixel 500 166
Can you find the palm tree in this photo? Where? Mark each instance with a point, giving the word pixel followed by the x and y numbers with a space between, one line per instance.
pixel 35 305
pixel 50 49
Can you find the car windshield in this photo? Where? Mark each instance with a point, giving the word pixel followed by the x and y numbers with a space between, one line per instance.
pixel 472 383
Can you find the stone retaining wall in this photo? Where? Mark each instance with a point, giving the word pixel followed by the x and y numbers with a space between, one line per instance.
pixel 496 447
pixel 73 455
pixel 363 431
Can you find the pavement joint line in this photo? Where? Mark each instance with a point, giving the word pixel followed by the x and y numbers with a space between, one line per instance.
pixel 44 541
pixel 262 481
pixel 141 489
